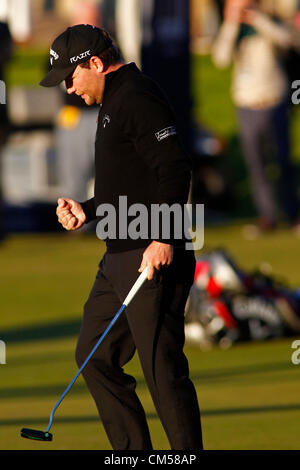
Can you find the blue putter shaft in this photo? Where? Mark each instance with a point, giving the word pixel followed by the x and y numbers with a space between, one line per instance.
pixel 139 282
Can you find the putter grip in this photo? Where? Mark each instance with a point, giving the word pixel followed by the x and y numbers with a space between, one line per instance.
pixel 136 286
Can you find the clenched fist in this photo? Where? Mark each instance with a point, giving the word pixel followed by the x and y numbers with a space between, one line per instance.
pixel 70 214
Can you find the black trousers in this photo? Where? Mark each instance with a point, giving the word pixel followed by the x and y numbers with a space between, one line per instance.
pixel 153 324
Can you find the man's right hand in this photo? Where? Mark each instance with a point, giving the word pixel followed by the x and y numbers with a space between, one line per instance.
pixel 70 214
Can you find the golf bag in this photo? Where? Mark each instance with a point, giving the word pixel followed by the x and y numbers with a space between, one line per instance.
pixel 227 304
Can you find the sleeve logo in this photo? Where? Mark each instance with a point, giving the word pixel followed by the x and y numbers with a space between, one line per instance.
pixel 164 133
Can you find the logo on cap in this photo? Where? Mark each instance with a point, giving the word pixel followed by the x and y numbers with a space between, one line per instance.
pixel 80 56
pixel 53 55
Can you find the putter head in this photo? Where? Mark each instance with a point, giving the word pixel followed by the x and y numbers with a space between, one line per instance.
pixel 36 435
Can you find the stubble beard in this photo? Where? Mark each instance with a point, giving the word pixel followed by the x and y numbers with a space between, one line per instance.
pixel 97 98
pixel 89 100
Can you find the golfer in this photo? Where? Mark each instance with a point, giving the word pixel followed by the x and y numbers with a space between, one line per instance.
pixel 138 155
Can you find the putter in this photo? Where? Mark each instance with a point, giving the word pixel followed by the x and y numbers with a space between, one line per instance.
pixel 46 435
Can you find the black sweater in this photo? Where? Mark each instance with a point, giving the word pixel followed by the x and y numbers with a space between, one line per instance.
pixel 137 151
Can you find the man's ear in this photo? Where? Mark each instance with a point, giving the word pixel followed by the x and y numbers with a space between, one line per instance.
pixel 96 63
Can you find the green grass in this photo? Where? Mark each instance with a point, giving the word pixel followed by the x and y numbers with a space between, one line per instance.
pixel 249 394
pixel 27 66
pixel 211 94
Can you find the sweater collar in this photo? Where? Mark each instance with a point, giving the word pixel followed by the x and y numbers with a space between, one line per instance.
pixel 113 79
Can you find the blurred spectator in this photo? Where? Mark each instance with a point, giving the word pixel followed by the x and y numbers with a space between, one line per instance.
pixel 5 55
pixel 108 11
pixel 204 24
pixel 220 6
pixel 255 36
pixel 128 29
pixel 165 57
pixel 17 14
pixel 76 124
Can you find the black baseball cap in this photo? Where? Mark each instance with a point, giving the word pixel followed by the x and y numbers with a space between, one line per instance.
pixel 75 45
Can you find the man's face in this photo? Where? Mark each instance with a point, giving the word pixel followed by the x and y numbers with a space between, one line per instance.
pixel 86 83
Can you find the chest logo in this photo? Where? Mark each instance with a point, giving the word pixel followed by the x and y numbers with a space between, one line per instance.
pixel 106 120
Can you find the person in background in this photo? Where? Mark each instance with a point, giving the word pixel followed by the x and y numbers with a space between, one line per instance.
pixel 255 35
pixel 15 29
pixel 17 14
pixel 6 52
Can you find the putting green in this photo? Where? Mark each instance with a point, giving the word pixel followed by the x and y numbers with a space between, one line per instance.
pixel 249 394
